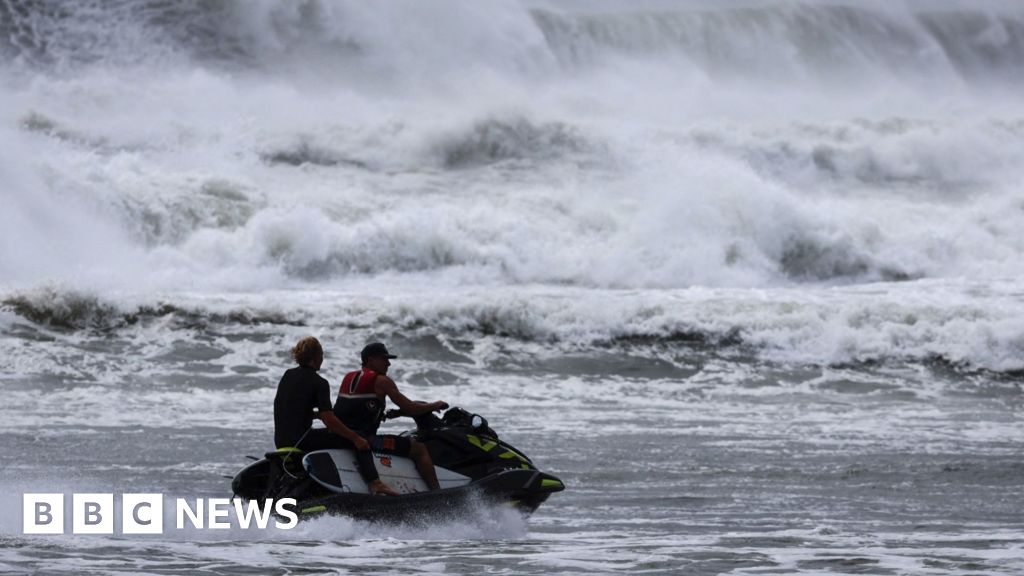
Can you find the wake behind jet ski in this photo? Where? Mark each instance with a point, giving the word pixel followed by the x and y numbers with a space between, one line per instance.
pixel 472 464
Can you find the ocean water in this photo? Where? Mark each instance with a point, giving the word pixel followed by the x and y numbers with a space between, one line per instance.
pixel 748 276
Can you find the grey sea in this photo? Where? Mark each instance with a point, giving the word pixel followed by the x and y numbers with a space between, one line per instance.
pixel 747 276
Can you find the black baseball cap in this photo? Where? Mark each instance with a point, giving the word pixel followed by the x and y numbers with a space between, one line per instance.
pixel 374 350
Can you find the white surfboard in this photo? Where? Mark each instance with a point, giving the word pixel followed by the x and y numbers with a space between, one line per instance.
pixel 338 471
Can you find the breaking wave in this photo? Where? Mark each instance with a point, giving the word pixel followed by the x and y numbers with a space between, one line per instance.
pixel 517 139
pixel 73 310
pixel 158 150
pixel 794 40
pixel 785 41
pixel 916 323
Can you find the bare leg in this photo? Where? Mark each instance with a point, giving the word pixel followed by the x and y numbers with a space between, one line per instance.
pixel 425 465
pixel 367 469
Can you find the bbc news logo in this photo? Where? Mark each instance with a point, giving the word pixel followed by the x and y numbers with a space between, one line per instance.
pixel 144 513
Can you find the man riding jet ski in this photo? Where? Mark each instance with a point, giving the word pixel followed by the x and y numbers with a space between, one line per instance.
pixel 471 464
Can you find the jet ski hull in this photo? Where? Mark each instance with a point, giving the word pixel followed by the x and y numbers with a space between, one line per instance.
pixel 472 464
pixel 520 489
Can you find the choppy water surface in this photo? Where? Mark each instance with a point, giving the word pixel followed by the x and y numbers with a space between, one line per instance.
pixel 746 275
pixel 681 457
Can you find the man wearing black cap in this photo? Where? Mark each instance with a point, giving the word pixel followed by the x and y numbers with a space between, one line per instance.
pixel 360 406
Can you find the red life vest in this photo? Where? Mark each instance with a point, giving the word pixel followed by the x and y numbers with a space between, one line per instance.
pixel 358 405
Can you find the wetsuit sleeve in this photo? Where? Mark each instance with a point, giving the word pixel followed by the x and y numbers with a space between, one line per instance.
pixel 323 396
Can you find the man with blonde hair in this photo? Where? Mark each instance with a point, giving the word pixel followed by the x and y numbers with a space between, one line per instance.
pixel 300 392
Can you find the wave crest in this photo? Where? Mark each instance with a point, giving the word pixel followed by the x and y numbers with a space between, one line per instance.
pixel 66 309
pixel 508 140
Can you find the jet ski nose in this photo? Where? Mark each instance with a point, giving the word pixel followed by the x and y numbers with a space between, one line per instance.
pixel 548 483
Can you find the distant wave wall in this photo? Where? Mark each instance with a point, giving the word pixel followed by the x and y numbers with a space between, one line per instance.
pixel 782 41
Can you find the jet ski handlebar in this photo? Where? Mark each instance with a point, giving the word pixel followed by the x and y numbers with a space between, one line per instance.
pixel 398 412
pixel 453 417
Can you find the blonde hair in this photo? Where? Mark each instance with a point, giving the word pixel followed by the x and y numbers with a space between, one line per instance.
pixel 307 350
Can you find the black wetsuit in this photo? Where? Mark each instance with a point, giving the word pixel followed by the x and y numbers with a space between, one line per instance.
pixel 301 390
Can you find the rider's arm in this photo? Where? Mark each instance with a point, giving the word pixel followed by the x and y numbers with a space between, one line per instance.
pixel 388 387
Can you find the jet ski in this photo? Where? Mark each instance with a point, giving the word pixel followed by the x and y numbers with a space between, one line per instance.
pixel 473 466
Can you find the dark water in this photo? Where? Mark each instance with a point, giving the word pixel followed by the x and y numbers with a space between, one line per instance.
pixel 701 465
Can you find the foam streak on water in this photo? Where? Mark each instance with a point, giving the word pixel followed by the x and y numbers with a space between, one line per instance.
pixel 747 275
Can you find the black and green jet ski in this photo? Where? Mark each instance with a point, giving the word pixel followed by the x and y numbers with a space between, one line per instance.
pixel 473 466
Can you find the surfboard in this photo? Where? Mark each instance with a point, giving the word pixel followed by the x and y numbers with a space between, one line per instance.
pixel 522 489
pixel 338 471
